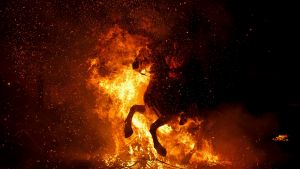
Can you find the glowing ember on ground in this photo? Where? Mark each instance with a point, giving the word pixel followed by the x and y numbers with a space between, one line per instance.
pixel 118 87
pixel 281 138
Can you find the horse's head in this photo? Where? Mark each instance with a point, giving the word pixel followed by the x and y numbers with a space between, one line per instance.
pixel 143 61
pixel 167 58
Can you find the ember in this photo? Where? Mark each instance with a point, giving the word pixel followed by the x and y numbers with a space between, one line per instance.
pixel 281 138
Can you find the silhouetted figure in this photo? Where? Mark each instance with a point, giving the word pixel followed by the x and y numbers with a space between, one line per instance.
pixel 166 92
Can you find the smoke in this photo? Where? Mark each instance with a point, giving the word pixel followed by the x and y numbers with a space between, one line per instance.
pixel 242 138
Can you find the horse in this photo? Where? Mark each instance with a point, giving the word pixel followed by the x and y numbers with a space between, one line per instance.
pixel 166 92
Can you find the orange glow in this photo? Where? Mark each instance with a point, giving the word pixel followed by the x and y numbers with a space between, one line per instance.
pixel 281 138
pixel 118 87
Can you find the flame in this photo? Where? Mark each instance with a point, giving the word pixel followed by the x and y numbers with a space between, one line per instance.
pixel 281 138
pixel 118 87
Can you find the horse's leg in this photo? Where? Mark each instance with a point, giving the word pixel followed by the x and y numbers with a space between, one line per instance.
pixel 128 129
pixel 159 122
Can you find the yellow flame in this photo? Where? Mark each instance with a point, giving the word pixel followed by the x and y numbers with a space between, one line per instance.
pixel 165 129
pixel 206 154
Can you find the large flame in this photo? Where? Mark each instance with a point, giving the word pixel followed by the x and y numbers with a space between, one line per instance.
pixel 118 87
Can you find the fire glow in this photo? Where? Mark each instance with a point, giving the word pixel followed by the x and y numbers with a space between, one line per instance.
pixel 281 138
pixel 118 87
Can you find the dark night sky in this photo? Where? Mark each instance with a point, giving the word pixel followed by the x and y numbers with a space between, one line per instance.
pixel 44 46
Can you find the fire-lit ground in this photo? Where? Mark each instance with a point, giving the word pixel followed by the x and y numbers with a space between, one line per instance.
pixel 67 84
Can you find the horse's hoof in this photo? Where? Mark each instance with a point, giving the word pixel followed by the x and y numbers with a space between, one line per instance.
pixel 160 150
pixel 128 131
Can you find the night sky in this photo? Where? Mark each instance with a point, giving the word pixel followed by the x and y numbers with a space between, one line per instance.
pixel 247 51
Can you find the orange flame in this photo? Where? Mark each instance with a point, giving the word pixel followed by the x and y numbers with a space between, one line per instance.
pixel 281 138
pixel 117 88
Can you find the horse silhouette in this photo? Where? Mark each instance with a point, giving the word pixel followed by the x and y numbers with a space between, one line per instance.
pixel 166 92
